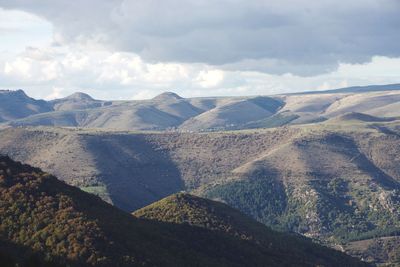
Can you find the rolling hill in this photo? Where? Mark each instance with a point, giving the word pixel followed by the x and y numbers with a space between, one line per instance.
pixel 330 172
pixel 233 114
pixel 45 222
pixel 77 101
pixel 336 182
pixel 168 111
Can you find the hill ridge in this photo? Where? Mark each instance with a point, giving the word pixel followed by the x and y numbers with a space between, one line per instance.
pixel 63 225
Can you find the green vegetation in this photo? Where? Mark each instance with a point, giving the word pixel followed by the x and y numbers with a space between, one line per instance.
pixel 267 201
pixel 98 190
pixel 44 222
pixel 338 183
pixel 261 198
pixel 384 249
pixel 289 249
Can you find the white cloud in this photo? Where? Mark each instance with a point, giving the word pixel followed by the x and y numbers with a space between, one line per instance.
pixel 210 78
pixel 120 49
pixel 55 93
pixel 300 37
pixel 143 94
pixel 18 28
pixel 28 67
pixel 54 72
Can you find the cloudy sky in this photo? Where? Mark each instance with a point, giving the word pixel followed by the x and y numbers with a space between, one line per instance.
pixel 135 49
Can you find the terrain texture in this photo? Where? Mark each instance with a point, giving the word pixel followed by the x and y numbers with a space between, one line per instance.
pixel 169 111
pixel 330 173
pixel 45 222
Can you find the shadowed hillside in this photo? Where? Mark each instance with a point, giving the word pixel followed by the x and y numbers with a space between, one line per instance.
pixel 52 224
pixel 218 217
pixel 16 105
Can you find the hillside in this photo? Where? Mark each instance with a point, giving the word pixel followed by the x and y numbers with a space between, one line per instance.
pixel 169 111
pixel 357 89
pixel 162 112
pixel 133 170
pixel 333 182
pixel 234 114
pixel 52 222
pixel 16 105
pixel 77 101
pixel 360 117
pixel 185 209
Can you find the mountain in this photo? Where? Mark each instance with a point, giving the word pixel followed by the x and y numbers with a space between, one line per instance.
pixel 357 89
pixel 233 114
pixel 77 101
pixel 169 111
pixel 361 117
pixel 167 96
pixel 51 223
pixel 330 173
pixel 16 104
pixel 333 181
pixel 186 209
pixel 80 110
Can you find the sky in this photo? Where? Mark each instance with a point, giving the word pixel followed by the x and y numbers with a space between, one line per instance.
pixel 136 49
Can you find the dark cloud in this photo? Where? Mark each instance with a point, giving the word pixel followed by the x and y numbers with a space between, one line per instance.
pixel 302 37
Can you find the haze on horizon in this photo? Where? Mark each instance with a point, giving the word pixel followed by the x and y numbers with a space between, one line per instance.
pixel 137 49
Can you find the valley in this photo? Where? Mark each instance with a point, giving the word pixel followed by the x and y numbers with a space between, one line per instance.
pixel 45 222
pixel 331 173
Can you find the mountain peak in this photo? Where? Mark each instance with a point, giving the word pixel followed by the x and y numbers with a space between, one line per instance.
pixel 167 96
pixel 79 96
pixel 201 212
pixel 18 92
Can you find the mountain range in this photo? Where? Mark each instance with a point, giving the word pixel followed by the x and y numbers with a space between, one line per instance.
pixel 45 222
pixel 170 111
pixel 323 165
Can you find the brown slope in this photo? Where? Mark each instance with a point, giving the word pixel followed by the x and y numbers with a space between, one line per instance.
pixel 62 224
pixel 188 209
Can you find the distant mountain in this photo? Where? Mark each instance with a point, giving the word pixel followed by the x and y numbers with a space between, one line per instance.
pixel 167 96
pixel 79 110
pixel 77 101
pixel 16 105
pixel 45 222
pixel 356 116
pixel 357 89
pixel 169 111
pixel 234 114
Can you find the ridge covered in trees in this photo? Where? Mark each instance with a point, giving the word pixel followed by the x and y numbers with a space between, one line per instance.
pixel 45 222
